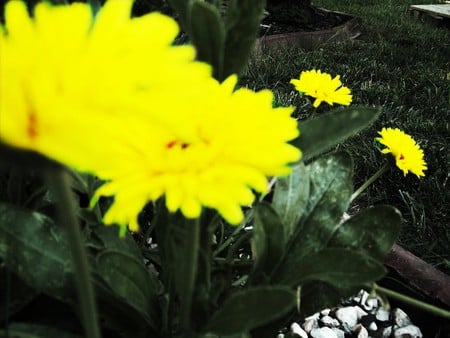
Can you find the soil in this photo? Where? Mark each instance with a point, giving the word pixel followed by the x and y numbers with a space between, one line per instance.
pixel 319 19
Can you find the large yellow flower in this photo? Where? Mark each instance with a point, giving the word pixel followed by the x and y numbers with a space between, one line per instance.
pixel 228 144
pixel 322 87
pixel 112 96
pixel 66 76
pixel 408 155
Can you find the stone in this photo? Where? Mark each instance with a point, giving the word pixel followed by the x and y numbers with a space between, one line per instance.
pixel 329 321
pixel 387 332
pixel 295 328
pixel 323 332
pixel 310 323
pixel 401 318
pixel 360 312
pixel 361 331
pixel 382 315
pixel 373 326
pixel 325 312
pixel 409 331
pixel 370 304
pixel 347 315
pixel 280 335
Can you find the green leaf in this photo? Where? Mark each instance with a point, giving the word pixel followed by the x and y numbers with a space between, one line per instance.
pixel 130 280
pixel 338 267
pixel 373 231
pixel 35 249
pixel 330 191
pixel 25 330
pixel 242 21
pixel 290 197
pixel 208 35
pixel 268 242
pixel 250 308
pixel 327 130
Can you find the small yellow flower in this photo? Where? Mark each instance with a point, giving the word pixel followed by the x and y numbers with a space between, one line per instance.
pixel 408 155
pixel 322 87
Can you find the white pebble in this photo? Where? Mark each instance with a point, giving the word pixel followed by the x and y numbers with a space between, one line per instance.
pixel 325 312
pixel 310 324
pixel 323 332
pixel 280 335
pixel 362 332
pixel 360 312
pixel 373 326
pixel 339 333
pixel 382 315
pixel 410 331
pixel 401 318
pixel 295 328
pixel 387 332
pixel 347 315
pixel 329 321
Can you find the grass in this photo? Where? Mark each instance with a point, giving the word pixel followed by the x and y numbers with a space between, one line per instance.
pixel 402 65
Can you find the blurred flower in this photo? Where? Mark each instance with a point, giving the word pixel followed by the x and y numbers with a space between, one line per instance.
pixel 408 155
pixel 222 147
pixel 113 97
pixel 322 87
pixel 66 76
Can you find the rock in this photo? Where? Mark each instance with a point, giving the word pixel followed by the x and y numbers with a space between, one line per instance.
pixel 371 303
pixel 401 318
pixel 295 328
pixel 360 312
pixel 325 312
pixel 373 326
pixel 280 335
pixel 310 323
pixel 382 315
pixel 409 331
pixel 361 331
pixel 347 316
pixel 323 332
pixel 387 332
pixel 329 321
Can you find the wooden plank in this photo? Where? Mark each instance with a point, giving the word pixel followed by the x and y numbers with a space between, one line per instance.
pixel 442 10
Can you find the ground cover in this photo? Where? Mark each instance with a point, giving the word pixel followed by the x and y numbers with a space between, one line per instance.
pixel 402 65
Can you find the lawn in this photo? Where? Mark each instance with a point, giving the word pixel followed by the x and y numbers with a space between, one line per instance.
pixel 402 65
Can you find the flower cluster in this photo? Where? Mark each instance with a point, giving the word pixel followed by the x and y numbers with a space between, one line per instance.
pixel 112 96
pixel 408 155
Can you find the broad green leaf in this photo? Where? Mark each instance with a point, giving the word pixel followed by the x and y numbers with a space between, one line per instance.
pixel 130 280
pixel 322 133
pixel 250 308
pixel 330 191
pixel 26 330
pixel 208 35
pixel 338 267
pixel 316 295
pixel 268 242
pixel 35 249
pixel 242 22
pixel 373 231
pixel 290 197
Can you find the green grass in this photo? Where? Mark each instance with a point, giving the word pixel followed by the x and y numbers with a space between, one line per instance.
pixel 402 65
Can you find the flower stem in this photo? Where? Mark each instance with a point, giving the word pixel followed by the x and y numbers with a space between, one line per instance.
pixel 192 250
pixel 412 301
pixel 59 182
pixel 372 179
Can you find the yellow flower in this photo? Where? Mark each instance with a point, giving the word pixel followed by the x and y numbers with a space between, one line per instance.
pixel 222 146
pixel 408 155
pixel 113 97
pixel 66 76
pixel 322 87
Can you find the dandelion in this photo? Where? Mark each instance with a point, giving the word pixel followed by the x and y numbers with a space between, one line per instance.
pixel 408 155
pixel 322 87
pixel 113 97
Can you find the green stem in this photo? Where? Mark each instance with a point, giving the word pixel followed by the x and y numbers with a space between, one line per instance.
pixel 192 250
pixel 372 179
pixel 412 301
pixel 59 183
